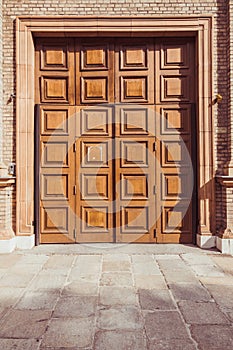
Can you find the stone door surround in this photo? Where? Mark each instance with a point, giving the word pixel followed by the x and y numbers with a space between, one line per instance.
pixel 29 27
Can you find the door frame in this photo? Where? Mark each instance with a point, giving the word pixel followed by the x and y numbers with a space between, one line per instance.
pixel 53 26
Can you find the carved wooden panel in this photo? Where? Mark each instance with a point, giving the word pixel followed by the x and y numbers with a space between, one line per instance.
pixel 134 220
pixel 54 154
pixel 94 154
pixel 94 219
pixel 175 120
pixel 54 121
pixel 175 88
pixel 94 90
pixel 175 55
pixel 54 89
pixel 94 57
pixel 134 153
pixel 175 154
pixel 55 186
pixel 134 89
pixel 55 219
pixel 95 186
pixel 54 57
pixel 95 122
pixel 172 220
pixel 134 186
pixel 133 57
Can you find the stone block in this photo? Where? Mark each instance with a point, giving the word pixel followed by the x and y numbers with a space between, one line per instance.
pixel 202 313
pixel 74 332
pixel 155 299
pixel 114 295
pixel 24 324
pixel 115 340
pixel 124 318
pixel 76 306
pixel 189 291
pixel 214 337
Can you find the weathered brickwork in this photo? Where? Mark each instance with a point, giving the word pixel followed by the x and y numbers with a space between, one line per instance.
pixel 222 12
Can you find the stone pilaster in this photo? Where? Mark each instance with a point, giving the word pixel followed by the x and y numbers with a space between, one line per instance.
pixel 225 236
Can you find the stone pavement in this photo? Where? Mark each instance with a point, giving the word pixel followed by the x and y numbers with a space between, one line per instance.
pixel 116 297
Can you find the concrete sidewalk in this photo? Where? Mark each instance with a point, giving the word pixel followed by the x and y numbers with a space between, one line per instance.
pixel 116 297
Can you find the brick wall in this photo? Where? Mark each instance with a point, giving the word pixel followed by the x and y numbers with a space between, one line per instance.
pixel 217 8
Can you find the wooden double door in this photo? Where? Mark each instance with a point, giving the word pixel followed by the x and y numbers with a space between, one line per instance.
pixel 116 139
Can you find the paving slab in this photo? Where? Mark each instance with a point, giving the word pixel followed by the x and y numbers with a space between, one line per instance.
pixel 65 332
pixel 202 313
pixel 80 288
pixel 161 325
pixel 48 281
pixel 116 257
pixel 125 318
pixel 197 259
pixel 119 340
pixel 207 270
pixel 173 264
pixel 189 291
pixel 149 282
pixel 19 344
pixel 116 279
pixel 24 324
pixel 33 300
pixel 76 306
pixel 224 262
pixel 9 296
pixel 214 337
pixel 179 276
pixel 16 280
pixel 81 276
pixel 116 266
pixel 146 268
pixel 9 260
pixel 59 262
pixel 115 295
pixel 155 299
pixel 171 344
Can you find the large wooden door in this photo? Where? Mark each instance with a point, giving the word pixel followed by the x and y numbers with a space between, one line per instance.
pixel 115 122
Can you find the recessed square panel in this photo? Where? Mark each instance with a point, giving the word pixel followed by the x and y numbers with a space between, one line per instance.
pixel 133 57
pixel 54 122
pixel 134 153
pixel 174 56
pixel 134 219
pixel 94 219
pixel 175 88
pixel 175 120
pixel 54 89
pixel 96 122
pixel 134 89
pixel 54 57
pixel 94 58
pixel 134 186
pixel 94 154
pixel 94 90
pixel 54 187
pixel 134 121
pixel 175 154
pixel 54 154
pixel 172 219
pixel 54 219
pixel 176 186
pixel 94 186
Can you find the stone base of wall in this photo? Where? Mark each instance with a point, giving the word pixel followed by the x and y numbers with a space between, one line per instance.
pixel 206 242
pixel 225 245
pixel 17 242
